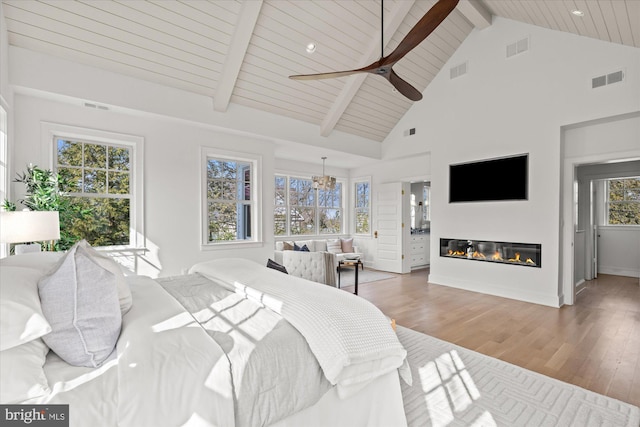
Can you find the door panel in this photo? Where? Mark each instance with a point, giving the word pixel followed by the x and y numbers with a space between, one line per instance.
pixel 389 225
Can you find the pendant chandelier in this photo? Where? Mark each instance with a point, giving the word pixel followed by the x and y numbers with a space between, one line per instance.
pixel 324 182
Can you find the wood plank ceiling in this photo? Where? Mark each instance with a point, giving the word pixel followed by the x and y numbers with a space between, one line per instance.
pixel 243 52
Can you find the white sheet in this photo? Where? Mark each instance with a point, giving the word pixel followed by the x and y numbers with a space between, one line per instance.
pixel 166 372
pixel 349 336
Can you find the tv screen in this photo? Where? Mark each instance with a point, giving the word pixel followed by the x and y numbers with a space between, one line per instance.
pixel 505 178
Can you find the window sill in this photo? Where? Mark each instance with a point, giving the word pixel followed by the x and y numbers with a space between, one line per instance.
pixel 620 227
pixel 230 245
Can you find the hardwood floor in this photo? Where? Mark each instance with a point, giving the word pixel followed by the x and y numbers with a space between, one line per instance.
pixel 594 344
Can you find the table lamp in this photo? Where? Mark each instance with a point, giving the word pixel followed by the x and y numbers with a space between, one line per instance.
pixel 29 226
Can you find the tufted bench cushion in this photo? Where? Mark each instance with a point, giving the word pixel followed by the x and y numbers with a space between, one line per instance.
pixel 315 266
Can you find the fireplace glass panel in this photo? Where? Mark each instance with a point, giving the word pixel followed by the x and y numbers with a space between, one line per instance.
pixel 523 254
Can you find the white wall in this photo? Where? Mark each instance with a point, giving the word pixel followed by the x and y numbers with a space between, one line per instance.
pixel 504 107
pixel 171 176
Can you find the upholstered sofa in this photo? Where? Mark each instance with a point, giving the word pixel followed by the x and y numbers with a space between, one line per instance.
pixel 319 263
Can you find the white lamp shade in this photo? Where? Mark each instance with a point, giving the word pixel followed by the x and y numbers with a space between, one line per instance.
pixel 29 226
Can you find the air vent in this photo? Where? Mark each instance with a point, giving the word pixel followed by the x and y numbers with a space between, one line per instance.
pixel 518 47
pixel 598 81
pixel 97 106
pixel 410 132
pixel 607 79
pixel 458 70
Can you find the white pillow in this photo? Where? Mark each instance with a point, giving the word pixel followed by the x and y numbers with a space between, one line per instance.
pixel 334 246
pixel 21 372
pixel 80 301
pixel 21 317
pixel 42 261
pixel 124 293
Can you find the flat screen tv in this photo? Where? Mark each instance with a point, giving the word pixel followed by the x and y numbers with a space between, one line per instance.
pixel 505 178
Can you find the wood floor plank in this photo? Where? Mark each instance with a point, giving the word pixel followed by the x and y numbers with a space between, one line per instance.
pixel 594 344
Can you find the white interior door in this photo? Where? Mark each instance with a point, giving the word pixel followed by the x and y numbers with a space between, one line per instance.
pixel 391 227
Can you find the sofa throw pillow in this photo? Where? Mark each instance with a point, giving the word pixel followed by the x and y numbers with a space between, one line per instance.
pixel 303 248
pixel 21 317
pixel 80 301
pixel 334 246
pixel 287 246
pixel 106 262
pixel 272 264
pixel 347 245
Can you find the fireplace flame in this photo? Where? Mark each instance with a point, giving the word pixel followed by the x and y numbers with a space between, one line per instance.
pixel 496 256
pixel 529 261
pixel 477 254
pixel 516 259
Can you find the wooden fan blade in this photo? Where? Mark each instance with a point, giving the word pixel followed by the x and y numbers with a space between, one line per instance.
pixel 333 74
pixel 421 30
pixel 403 87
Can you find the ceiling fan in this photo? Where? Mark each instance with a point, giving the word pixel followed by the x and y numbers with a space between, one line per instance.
pixel 383 66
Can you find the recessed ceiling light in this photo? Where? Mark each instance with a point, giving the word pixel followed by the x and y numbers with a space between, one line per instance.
pixel 311 47
pixel 577 12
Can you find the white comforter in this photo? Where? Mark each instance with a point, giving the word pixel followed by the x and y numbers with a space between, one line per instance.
pixel 166 372
pixel 349 336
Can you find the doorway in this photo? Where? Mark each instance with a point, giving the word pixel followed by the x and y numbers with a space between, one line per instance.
pixel 603 142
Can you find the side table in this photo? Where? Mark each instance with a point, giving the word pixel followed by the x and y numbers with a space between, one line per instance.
pixel 351 263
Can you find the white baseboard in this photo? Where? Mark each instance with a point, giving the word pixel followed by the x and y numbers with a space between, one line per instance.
pixel 618 271
pixel 580 286
pixel 519 295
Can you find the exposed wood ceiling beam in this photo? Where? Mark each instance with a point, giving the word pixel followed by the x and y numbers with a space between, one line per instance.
pixel 236 53
pixel 476 13
pixel 354 82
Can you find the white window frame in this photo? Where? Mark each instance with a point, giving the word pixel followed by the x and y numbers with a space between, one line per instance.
pixel 52 131
pixel 207 153
pixel 316 207
pixel 355 182
pixel 4 164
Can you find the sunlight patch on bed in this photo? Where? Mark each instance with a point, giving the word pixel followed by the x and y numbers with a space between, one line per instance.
pixel 176 322
pixel 448 388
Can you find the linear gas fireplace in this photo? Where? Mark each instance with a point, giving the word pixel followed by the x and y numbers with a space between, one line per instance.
pixel 524 254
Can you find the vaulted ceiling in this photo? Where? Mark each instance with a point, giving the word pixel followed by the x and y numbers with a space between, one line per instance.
pixel 243 51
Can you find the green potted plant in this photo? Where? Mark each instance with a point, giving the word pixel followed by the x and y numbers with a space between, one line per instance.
pixel 43 194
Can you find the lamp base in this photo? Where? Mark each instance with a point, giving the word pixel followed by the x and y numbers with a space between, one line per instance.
pixel 28 248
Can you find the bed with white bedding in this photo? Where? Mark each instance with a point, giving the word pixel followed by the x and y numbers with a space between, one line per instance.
pixel 206 350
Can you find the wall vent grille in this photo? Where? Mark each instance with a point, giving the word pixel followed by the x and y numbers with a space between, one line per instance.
pixel 458 70
pixel 607 79
pixel 96 106
pixel 518 47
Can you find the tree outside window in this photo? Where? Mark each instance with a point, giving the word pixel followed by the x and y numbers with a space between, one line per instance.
pixel 96 178
pixel 302 206
pixel 281 207
pixel 229 201
pixel 362 207
pixel 623 201
pixel 330 210
pixel 299 209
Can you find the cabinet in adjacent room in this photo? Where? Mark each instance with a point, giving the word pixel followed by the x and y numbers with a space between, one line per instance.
pixel 420 250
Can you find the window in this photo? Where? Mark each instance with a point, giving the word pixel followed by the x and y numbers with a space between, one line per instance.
pixel 100 174
pixel 362 207
pixel 299 209
pixel 4 173
pixel 96 178
pixel 231 198
pixel 330 210
pixel 623 201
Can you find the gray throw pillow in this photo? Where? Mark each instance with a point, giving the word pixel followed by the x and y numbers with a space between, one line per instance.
pixel 80 301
